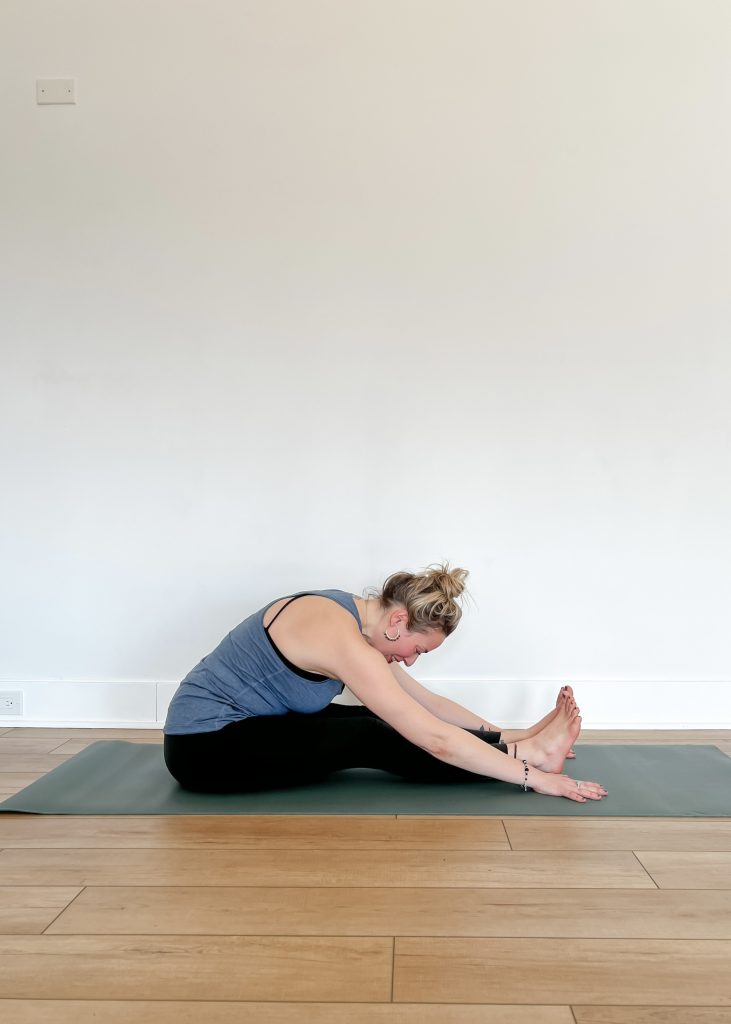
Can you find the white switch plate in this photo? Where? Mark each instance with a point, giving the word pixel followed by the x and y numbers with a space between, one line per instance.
pixel 55 90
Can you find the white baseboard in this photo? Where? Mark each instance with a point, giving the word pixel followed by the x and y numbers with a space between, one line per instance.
pixel 511 703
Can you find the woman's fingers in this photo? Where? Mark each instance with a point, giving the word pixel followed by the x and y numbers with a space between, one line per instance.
pixel 592 790
pixel 572 789
pixel 581 791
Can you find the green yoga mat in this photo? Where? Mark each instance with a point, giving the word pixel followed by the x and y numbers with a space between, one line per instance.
pixel 116 777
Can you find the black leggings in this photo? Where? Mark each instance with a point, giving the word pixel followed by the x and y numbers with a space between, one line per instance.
pixel 273 751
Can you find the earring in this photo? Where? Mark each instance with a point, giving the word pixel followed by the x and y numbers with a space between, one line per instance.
pixel 393 639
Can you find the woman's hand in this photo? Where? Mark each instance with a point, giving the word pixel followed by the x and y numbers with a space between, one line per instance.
pixel 550 784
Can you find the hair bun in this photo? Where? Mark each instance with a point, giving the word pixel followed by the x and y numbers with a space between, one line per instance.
pixel 450 581
pixel 430 596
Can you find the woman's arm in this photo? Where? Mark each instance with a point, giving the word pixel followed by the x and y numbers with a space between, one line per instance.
pixel 449 711
pixel 441 707
pixel 366 674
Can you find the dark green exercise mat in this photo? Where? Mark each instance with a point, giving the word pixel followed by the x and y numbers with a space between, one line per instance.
pixel 116 777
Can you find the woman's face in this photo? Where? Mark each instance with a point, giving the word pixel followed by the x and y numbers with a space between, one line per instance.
pixel 409 646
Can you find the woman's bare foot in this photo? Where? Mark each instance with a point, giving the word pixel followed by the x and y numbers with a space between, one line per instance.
pixel 549 748
pixel 563 693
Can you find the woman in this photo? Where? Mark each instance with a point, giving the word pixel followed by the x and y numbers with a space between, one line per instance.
pixel 256 713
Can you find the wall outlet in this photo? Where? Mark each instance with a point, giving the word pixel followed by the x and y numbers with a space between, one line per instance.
pixel 11 702
pixel 55 90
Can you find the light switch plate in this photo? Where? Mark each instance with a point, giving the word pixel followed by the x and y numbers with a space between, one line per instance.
pixel 55 90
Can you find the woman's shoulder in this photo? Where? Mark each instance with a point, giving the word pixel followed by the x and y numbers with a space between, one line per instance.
pixel 314 630
pixel 307 607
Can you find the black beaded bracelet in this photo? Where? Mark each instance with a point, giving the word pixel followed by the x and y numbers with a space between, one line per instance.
pixel 525 778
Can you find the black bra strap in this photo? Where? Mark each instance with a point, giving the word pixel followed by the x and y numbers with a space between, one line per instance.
pixel 290 665
pixel 267 628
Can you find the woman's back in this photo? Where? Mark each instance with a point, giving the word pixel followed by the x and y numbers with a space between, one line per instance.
pixel 247 675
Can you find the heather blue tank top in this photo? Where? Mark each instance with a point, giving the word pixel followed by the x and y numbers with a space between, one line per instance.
pixel 247 675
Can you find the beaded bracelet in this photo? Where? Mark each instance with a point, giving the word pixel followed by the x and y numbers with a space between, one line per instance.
pixel 525 778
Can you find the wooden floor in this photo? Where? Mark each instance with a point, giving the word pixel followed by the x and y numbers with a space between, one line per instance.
pixel 348 920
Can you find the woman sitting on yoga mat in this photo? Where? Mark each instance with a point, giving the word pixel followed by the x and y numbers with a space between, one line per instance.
pixel 256 713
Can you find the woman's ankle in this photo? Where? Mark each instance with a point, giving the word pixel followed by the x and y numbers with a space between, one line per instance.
pixel 527 750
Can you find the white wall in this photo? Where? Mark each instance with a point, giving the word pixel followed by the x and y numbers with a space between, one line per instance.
pixel 301 292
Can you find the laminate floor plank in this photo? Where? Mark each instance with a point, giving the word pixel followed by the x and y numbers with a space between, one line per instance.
pixel 30 909
pixel 69 748
pixel 651 1015
pixel 517 913
pixel 12 782
pixel 36 1011
pixel 600 971
pixel 687 834
pixel 20 745
pixel 192 968
pixel 28 762
pixel 324 868
pixel 678 870
pixel 244 831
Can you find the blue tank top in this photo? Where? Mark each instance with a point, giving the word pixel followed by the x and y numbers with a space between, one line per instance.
pixel 247 675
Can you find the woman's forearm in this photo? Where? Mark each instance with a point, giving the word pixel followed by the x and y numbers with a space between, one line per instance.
pixel 465 751
pixel 461 749
pixel 453 713
pixel 450 711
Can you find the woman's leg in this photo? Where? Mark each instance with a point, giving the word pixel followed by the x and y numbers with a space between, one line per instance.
pixel 271 751
pixel 357 710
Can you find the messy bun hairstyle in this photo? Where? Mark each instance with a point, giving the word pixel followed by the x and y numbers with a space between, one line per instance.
pixel 429 597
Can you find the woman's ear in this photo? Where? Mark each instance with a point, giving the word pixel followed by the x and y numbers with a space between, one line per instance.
pixel 399 617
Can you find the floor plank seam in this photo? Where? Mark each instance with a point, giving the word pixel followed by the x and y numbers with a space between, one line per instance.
pixel 446 890
pixel 634 854
pixel 340 935
pixel 340 1002
pixel 393 964
pixel 63 910
pixel 563 889
pixel 335 935
pixel 507 834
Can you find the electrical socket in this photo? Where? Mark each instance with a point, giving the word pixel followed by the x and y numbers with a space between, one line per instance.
pixel 11 702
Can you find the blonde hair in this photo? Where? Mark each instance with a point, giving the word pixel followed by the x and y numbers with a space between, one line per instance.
pixel 429 597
